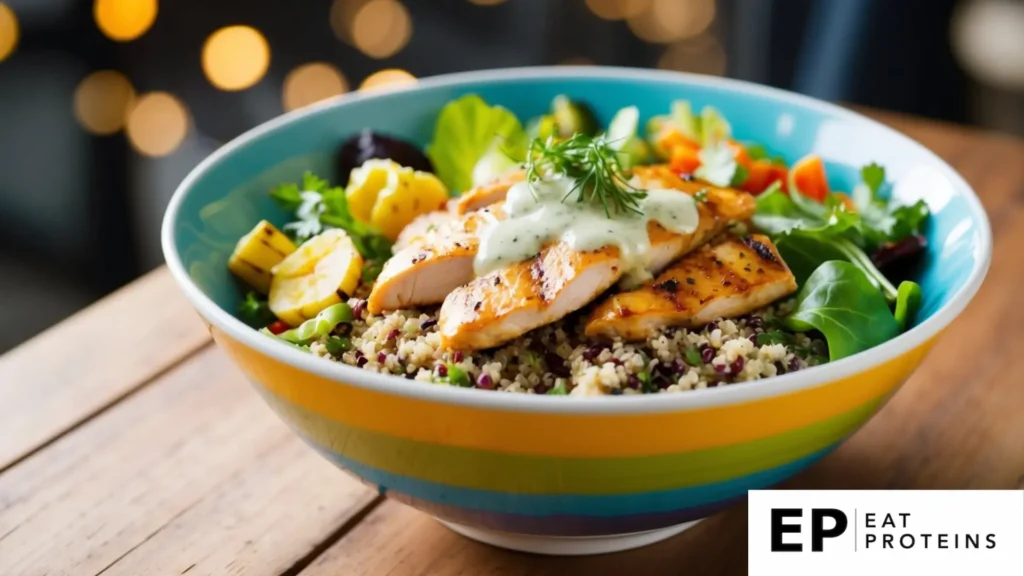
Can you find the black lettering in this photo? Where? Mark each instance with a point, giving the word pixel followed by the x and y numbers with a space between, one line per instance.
pixel 925 537
pixel 868 540
pixel 886 540
pixel 904 515
pixel 972 542
pixel 869 520
pixel 943 541
pixel 956 541
pixel 991 538
pixel 888 522
pixel 779 528
pixel 818 532
pixel 903 541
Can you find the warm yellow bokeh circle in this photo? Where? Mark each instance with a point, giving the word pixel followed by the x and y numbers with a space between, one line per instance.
pixel 102 102
pixel 124 20
pixel 236 57
pixel 8 31
pixel 157 124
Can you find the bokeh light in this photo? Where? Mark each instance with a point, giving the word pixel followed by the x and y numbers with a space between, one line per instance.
pixel 311 83
pixel 343 12
pixel 157 124
pixel 702 54
pixel 124 20
pixel 236 57
pixel 102 102
pixel 8 31
pixel 672 20
pixel 388 79
pixel 380 28
pixel 619 9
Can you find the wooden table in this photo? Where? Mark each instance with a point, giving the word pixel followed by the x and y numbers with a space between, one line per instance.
pixel 129 445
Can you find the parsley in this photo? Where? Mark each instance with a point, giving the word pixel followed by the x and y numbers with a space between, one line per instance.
pixel 717 164
pixel 254 310
pixel 701 195
pixel 318 205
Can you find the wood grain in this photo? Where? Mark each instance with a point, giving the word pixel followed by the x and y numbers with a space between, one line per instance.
pixel 192 474
pixel 69 373
pixel 955 424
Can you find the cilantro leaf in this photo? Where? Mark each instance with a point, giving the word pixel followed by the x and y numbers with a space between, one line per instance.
pixel 717 164
pixel 873 176
pixel 316 204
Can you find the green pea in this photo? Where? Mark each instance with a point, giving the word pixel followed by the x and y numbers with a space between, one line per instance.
pixel 458 377
pixel 693 357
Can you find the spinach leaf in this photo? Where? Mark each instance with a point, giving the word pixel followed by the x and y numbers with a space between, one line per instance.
pixel 840 301
pixel 908 300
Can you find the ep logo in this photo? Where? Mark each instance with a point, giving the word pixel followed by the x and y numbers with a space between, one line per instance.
pixel 824 523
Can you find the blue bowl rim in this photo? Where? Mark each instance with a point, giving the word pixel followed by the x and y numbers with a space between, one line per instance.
pixel 690 400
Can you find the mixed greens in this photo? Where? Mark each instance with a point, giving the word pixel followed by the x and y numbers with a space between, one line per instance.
pixel 835 244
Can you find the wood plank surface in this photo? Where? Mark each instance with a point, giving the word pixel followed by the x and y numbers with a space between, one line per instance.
pixel 76 369
pixel 164 461
pixel 192 474
pixel 956 424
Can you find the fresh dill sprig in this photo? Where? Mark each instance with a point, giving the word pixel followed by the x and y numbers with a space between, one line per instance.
pixel 594 167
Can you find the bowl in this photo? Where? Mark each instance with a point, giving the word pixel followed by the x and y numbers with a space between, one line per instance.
pixel 568 475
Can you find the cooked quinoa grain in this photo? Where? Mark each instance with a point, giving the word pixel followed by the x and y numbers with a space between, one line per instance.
pixel 558 359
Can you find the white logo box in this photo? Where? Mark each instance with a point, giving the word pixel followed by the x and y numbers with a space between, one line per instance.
pixel 934 532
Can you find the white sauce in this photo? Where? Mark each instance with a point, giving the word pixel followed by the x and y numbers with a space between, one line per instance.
pixel 537 216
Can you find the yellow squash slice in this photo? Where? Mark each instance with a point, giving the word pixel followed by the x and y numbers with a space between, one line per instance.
pixel 322 272
pixel 257 253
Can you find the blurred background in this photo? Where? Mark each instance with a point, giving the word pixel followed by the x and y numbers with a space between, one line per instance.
pixel 105 105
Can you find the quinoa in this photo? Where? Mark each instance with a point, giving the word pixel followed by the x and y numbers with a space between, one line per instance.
pixel 559 359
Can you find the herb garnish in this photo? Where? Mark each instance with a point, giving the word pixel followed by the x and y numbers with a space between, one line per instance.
pixel 318 205
pixel 593 164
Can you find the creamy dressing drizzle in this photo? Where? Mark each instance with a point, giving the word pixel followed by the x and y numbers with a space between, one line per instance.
pixel 537 217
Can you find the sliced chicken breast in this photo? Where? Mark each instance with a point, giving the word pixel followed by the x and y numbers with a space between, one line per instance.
pixel 425 227
pixel 430 266
pixel 724 280
pixel 488 194
pixel 507 303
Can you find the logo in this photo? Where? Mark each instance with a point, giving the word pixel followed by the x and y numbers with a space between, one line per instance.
pixel 886 532
pixel 818 530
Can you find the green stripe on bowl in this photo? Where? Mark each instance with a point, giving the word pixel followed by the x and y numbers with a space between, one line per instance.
pixel 500 472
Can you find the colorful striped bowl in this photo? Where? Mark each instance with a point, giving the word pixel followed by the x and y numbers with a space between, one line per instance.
pixel 563 474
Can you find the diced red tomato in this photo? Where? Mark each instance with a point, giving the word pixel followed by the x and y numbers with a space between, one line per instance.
pixel 278 327
pixel 763 173
pixel 808 177
pixel 684 160
pixel 739 153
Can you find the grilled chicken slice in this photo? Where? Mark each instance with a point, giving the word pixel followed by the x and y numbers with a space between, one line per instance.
pixel 732 278
pixel 507 303
pixel 425 226
pixel 425 267
pixel 431 266
pixel 488 194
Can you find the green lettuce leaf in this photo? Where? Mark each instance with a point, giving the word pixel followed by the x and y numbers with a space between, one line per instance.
pixel 465 132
